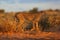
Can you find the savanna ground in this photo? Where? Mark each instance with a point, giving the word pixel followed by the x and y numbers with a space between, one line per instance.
pixel 32 25
pixel 37 36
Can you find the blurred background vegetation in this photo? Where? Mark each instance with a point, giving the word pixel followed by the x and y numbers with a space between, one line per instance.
pixel 47 20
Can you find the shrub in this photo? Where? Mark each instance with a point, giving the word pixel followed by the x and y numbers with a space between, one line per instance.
pixel 27 26
pixel 44 23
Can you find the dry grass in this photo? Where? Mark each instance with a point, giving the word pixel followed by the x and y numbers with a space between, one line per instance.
pixel 11 25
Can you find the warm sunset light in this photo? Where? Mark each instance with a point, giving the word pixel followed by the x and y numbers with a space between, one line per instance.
pixel 29 19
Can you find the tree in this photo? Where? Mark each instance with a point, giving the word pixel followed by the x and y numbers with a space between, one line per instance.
pixel 2 11
pixel 34 10
pixel 57 10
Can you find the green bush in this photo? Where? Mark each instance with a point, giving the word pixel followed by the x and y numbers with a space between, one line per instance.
pixel 44 23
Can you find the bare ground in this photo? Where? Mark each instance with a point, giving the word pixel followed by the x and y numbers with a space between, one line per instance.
pixel 25 36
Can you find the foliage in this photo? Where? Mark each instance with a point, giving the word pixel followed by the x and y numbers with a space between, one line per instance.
pixel 34 10
pixel 44 22
pixel 11 22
